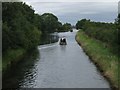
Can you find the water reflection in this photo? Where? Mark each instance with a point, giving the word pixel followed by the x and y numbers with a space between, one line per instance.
pixel 24 73
pixel 63 48
pixel 49 38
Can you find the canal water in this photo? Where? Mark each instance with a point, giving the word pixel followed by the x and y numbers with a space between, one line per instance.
pixel 55 66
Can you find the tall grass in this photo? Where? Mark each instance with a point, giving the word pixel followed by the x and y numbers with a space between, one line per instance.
pixel 12 56
pixel 101 56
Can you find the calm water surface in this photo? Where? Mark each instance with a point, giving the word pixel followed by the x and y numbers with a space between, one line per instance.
pixel 56 66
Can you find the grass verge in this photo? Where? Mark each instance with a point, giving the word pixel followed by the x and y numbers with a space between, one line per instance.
pixel 106 61
pixel 11 57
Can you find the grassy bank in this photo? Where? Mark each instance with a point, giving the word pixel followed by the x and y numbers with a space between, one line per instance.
pixel 101 56
pixel 11 57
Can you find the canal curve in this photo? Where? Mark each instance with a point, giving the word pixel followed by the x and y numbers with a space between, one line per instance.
pixel 57 66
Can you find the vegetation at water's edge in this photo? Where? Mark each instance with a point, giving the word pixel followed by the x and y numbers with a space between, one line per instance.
pixel 105 32
pixel 101 42
pixel 12 57
pixel 22 29
pixel 101 56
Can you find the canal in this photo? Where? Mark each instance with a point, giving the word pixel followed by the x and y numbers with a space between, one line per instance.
pixel 55 66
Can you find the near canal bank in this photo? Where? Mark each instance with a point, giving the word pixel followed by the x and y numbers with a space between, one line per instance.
pixel 106 62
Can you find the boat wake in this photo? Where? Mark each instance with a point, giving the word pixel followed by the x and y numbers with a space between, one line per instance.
pixel 47 46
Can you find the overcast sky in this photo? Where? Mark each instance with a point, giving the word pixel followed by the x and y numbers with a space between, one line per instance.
pixel 69 11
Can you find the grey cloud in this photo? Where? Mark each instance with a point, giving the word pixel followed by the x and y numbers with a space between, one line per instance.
pixel 73 11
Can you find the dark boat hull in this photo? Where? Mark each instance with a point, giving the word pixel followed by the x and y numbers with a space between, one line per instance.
pixel 63 43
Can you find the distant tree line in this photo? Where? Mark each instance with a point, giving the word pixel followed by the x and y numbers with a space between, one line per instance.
pixel 65 27
pixel 105 32
pixel 22 27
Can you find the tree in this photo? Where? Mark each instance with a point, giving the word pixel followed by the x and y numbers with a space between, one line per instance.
pixel 49 23
pixel 105 32
pixel 59 27
pixel 80 24
pixel 21 26
pixel 118 26
pixel 67 27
